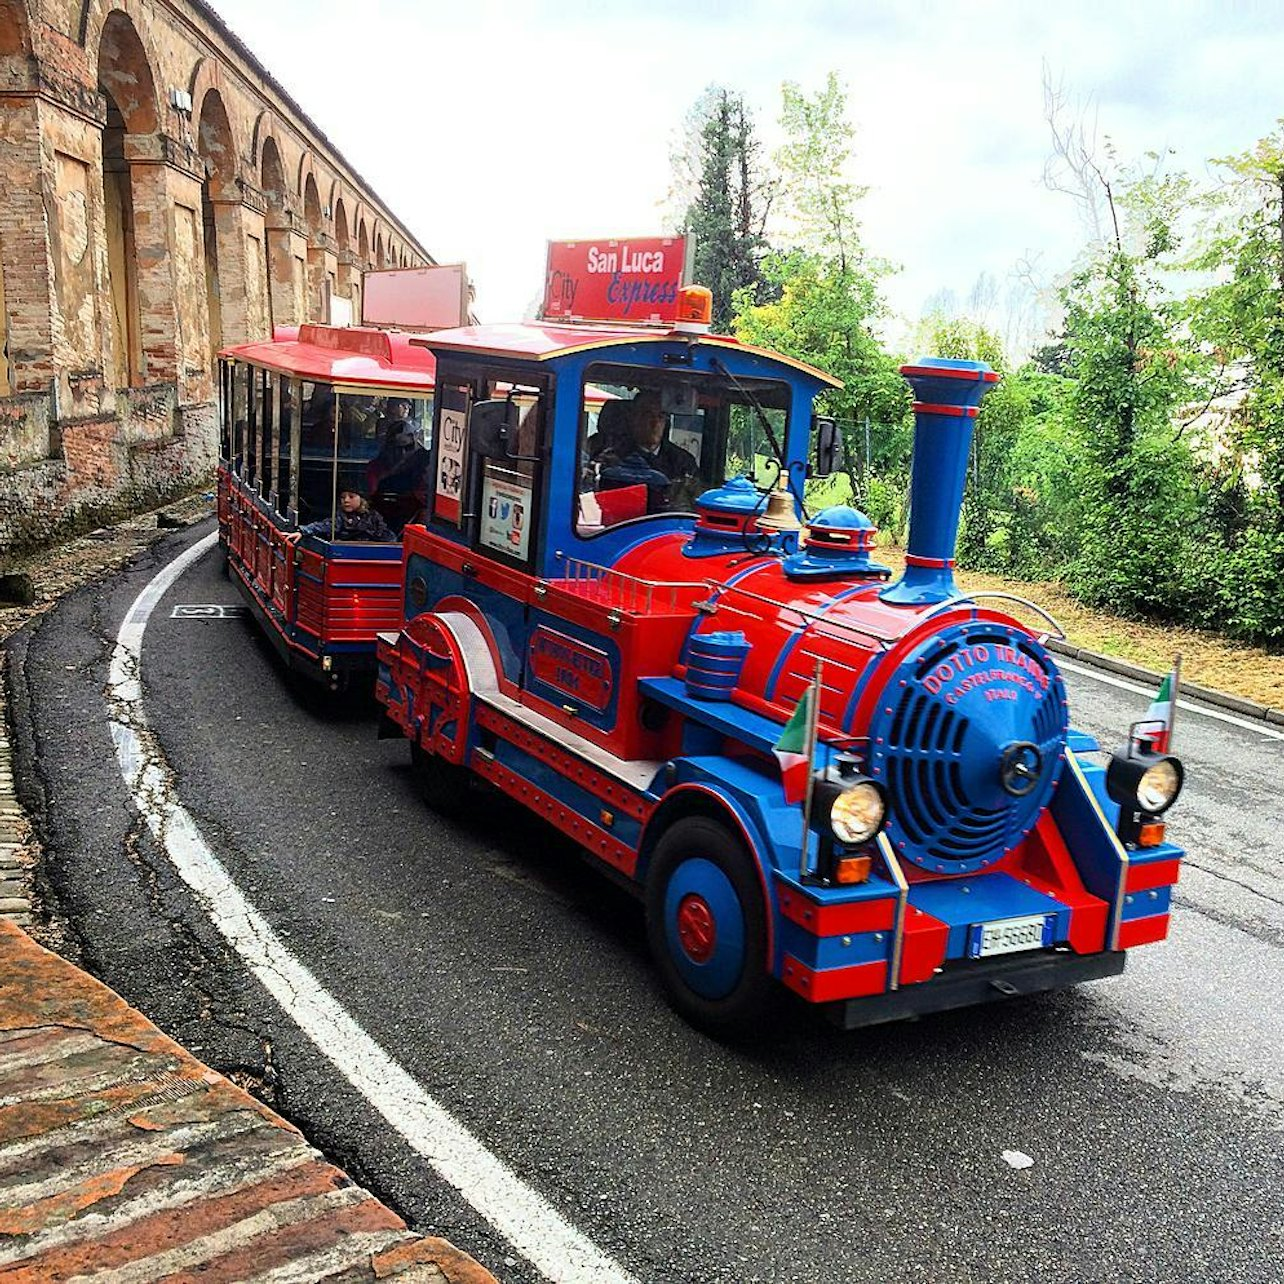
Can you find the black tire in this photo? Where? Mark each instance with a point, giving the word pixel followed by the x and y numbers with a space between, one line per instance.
pixel 442 785
pixel 702 892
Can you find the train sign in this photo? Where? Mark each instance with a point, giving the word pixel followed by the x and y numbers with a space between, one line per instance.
pixel 635 279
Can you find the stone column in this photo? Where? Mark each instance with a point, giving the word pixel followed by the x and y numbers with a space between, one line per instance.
pixel 26 246
pixel 258 306
pixel 322 268
pixel 166 177
pixel 287 250
pixel 346 274
pixel 235 268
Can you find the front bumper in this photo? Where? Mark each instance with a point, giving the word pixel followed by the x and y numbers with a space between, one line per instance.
pixel 965 984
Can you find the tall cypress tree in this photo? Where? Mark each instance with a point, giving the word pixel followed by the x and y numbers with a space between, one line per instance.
pixel 731 200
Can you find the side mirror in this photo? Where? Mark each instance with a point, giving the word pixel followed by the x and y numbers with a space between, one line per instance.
pixel 489 426
pixel 829 446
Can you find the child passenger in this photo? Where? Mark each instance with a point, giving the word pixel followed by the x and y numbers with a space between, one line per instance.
pixel 355 521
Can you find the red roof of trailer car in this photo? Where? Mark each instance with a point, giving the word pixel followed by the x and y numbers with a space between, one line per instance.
pixel 540 340
pixel 344 355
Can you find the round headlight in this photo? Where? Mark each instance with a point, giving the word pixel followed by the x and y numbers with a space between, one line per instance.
pixel 1158 786
pixel 1139 780
pixel 857 813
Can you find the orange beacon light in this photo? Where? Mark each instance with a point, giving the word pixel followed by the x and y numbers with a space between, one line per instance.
pixel 695 310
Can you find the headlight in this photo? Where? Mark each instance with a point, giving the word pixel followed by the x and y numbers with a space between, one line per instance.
pixel 1159 786
pixel 1142 781
pixel 847 806
pixel 857 813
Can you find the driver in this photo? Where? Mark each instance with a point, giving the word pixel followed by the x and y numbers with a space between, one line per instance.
pixel 644 455
pixel 648 445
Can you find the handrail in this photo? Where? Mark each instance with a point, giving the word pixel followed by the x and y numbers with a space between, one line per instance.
pixel 1060 633
pixel 884 640
pixel 621 590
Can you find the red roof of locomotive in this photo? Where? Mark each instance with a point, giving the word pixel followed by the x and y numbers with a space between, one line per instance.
pixel 540 340
pixel 345 355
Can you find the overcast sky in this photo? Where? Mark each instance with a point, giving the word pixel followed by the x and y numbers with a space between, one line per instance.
pixel 491 127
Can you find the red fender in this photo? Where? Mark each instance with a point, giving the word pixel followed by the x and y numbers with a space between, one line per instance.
pixel 456 663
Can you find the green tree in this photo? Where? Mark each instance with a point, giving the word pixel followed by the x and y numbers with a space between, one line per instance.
pixel 823 303
pixel 818 199
pixel 1240 320
pixel 1015 516
pixel 721 166
pixel 1130 373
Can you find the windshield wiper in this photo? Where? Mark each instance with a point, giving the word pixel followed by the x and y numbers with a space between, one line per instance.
pixel 762 415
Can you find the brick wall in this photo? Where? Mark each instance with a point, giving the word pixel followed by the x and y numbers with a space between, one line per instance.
pixel 121 262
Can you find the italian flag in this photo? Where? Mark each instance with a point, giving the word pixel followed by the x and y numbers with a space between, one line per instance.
pixel 791 750
pixel 1160 714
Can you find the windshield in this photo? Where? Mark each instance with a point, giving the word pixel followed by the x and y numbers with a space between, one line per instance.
pixel 651 441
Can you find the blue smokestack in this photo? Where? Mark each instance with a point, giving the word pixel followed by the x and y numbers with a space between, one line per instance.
pixel 947 398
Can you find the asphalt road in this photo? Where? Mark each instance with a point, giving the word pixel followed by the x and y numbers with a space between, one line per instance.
pixel 513 983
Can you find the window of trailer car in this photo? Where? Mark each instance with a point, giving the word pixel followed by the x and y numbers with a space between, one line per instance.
pixel 651 441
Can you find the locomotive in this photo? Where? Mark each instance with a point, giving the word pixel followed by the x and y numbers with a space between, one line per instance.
pixel 820 780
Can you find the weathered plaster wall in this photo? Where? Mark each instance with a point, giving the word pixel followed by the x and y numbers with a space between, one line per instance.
pixel 138 235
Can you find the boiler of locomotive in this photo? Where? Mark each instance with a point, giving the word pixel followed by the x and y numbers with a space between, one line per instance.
pixel 957 711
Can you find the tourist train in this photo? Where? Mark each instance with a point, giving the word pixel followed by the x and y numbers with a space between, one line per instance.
pixel 623 605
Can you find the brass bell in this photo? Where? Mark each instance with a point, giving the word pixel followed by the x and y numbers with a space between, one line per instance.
pixel 780 514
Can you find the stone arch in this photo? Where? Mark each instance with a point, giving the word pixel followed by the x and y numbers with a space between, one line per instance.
pixel 312 207
pixel 319 275
pixel 214 138
pixel 125 75
pixel 380 249
pixel 214 142
pixel 363 244
pixel 341 235
pixel 128 88
pixel 93 23
pixel 272 176
pixel 279 239
pixel 347 275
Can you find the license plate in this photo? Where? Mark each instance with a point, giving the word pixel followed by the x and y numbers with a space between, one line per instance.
pixel 1009 936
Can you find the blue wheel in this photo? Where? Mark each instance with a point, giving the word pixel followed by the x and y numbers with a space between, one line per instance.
pixel 706 926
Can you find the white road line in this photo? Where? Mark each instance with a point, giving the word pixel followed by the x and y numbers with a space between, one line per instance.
pixel 1202 709
pixel 532 1225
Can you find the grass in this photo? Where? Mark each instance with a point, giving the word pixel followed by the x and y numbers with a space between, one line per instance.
pixel 1246 671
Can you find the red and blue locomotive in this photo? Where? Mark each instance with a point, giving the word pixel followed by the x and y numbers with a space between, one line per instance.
pixel 618 613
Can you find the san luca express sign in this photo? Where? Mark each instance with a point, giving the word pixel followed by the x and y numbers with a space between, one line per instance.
pixel 634 279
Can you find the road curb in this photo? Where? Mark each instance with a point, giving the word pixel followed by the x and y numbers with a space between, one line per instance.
pixel 15 863
pixel 1192 690
pixel 136 1155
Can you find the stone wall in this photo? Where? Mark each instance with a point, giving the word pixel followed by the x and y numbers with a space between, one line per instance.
pixel 160 197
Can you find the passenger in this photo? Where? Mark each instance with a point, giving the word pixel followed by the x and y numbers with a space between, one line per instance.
pixel 396 416
pixel 355 521
pixel 401 466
